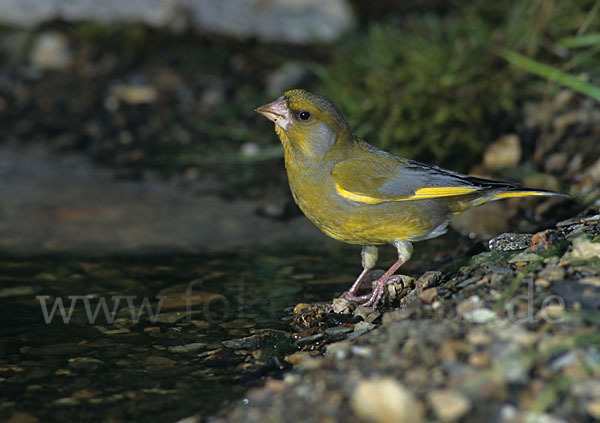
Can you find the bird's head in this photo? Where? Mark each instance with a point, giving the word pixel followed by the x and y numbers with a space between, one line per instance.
pixel 306 122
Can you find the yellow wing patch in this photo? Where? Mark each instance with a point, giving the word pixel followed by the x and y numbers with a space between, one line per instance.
pixel 435 192
pixel 420 194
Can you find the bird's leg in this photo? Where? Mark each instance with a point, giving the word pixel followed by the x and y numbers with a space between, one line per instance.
pixel 404 252
pixel 369 255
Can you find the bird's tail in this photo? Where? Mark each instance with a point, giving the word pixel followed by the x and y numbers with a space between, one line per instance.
pixel 520 192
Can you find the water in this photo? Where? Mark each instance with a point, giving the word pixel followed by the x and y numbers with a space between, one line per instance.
pixel 91 365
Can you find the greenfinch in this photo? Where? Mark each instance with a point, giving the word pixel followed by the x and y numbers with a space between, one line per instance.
pixel 359 194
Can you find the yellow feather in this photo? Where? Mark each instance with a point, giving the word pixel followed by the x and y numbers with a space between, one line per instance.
pixel 420 194
pixel 435 192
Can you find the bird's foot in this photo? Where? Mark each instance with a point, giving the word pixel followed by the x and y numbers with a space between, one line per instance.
pixel 373 299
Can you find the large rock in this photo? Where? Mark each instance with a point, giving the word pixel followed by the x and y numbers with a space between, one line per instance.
pixel 294 21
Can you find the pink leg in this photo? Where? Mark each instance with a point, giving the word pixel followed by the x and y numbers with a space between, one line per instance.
pixel 375 297
pixel 351 294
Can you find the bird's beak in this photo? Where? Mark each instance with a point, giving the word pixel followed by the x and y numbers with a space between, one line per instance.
pixel 277 112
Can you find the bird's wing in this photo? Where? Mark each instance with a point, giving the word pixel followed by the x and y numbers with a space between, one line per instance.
pixel 388 178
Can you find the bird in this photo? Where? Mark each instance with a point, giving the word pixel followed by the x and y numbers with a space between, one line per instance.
pixel 358 194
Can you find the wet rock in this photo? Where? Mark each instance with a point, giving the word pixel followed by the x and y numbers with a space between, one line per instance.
pixel 184 296
pixel 85 362
pixel 363 327
pixel 237 324
pixel 298 357
pixel 429 279
pixel 510 242
pixel 545 240
pixel 18 291
pixel 448 405
pixel 428 295
pixel 338 332
pixel 502 153
pixel 157 362
pixel 188 348
pixel 385 400
pixel 343 306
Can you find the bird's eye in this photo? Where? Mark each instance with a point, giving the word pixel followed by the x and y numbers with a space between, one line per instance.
pixel 304 115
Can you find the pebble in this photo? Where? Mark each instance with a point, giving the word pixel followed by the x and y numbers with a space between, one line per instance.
pixel 468 304
pixel 428 295
pixel 338 332
pixel 342 306
pixel 509 242
pixel 585 249
pixel 297 357
pixel 194 346
pixel 84 362
pixel 159 361
pixel 134 94
pixel 385 400
pixel 364 327
pixel 448 405
pixel 480 315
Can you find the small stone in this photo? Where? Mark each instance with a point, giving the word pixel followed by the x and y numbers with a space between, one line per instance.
pixel 545 240
pixel 339 350
pixel 237 324
pixel 448 405
pixel 84 362
pixel 342 306
pixel 468 304
pixel 298 357
pixel 509 242
pixel 585 249
pixel 479 359
pixel 363 312
pixel 480 315
pixel 364 327
pixel 337 332
pixel 18 291
pixel 195 346
pixel 134 94
pixel 395 316
pixel 159 361
pixel 428 295
pixel 525 257
pixel 502 153
pixel 429 279
pixel 66 401
pixel 385 400
pixel 184 296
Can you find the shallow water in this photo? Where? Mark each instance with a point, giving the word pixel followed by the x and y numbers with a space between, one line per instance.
pixel 107 360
